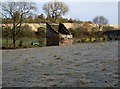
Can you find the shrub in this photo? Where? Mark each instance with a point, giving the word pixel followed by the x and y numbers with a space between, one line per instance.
pixel 93 39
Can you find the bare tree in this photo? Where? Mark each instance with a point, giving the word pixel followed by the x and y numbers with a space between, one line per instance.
pixel 55 9
pixel 100 21
pixel 6 33
pixel 17 11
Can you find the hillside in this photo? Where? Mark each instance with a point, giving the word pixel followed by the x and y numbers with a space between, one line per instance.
pixel 80 65
pixel 34 26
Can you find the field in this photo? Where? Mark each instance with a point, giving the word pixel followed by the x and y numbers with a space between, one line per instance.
pixel 25 41
pixel 78 65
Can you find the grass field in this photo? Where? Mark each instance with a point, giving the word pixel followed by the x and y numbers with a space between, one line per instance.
pixel 78 65
pixel 26 42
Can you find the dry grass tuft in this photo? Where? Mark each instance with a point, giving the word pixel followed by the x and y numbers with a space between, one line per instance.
pixel 68 62
pixel 50 78
pixel 50 63
pixel 57 57
pixel 14 67
pixel 81 81
pixel 24 62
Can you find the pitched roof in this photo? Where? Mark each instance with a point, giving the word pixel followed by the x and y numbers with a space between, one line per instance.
pixel 50 28
pixel 50 32
pixel 58 28
pixel 63 30
pixel 55 27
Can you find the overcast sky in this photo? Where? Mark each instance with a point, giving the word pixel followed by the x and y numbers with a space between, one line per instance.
pixel 86 10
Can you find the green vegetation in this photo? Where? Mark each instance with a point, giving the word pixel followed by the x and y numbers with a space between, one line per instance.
pixel 91 39
pixel 88 34
pixel 15 12
pixel 26 43
pixel 25 37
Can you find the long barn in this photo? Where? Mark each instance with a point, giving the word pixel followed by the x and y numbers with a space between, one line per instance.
pixel 58 35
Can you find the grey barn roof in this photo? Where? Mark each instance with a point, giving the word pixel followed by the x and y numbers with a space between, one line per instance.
pixel 59 28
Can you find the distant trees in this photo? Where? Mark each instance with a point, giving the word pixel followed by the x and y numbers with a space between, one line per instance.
pixel 100 21
pixel 79 32
pixel 29 19
pixel 106 28
pixel 42 19
pixel 39 19
pixel 55 9
pixel 16 12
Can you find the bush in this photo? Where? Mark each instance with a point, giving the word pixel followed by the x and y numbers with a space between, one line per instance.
pixel 79 32
pixel 26 31
pixel 101 39
pixel 93 39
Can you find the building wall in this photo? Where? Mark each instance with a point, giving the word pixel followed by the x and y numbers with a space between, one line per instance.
pixel 58 41
pixel 52 41
pixel 65 41
pixel 54 37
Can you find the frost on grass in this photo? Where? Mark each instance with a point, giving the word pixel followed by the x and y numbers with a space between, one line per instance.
pixel 80 65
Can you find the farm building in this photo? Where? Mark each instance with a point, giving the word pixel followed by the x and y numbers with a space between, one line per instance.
pixel 58 35
pixel 112 34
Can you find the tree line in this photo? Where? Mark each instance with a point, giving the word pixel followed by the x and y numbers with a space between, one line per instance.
pixel 42 19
